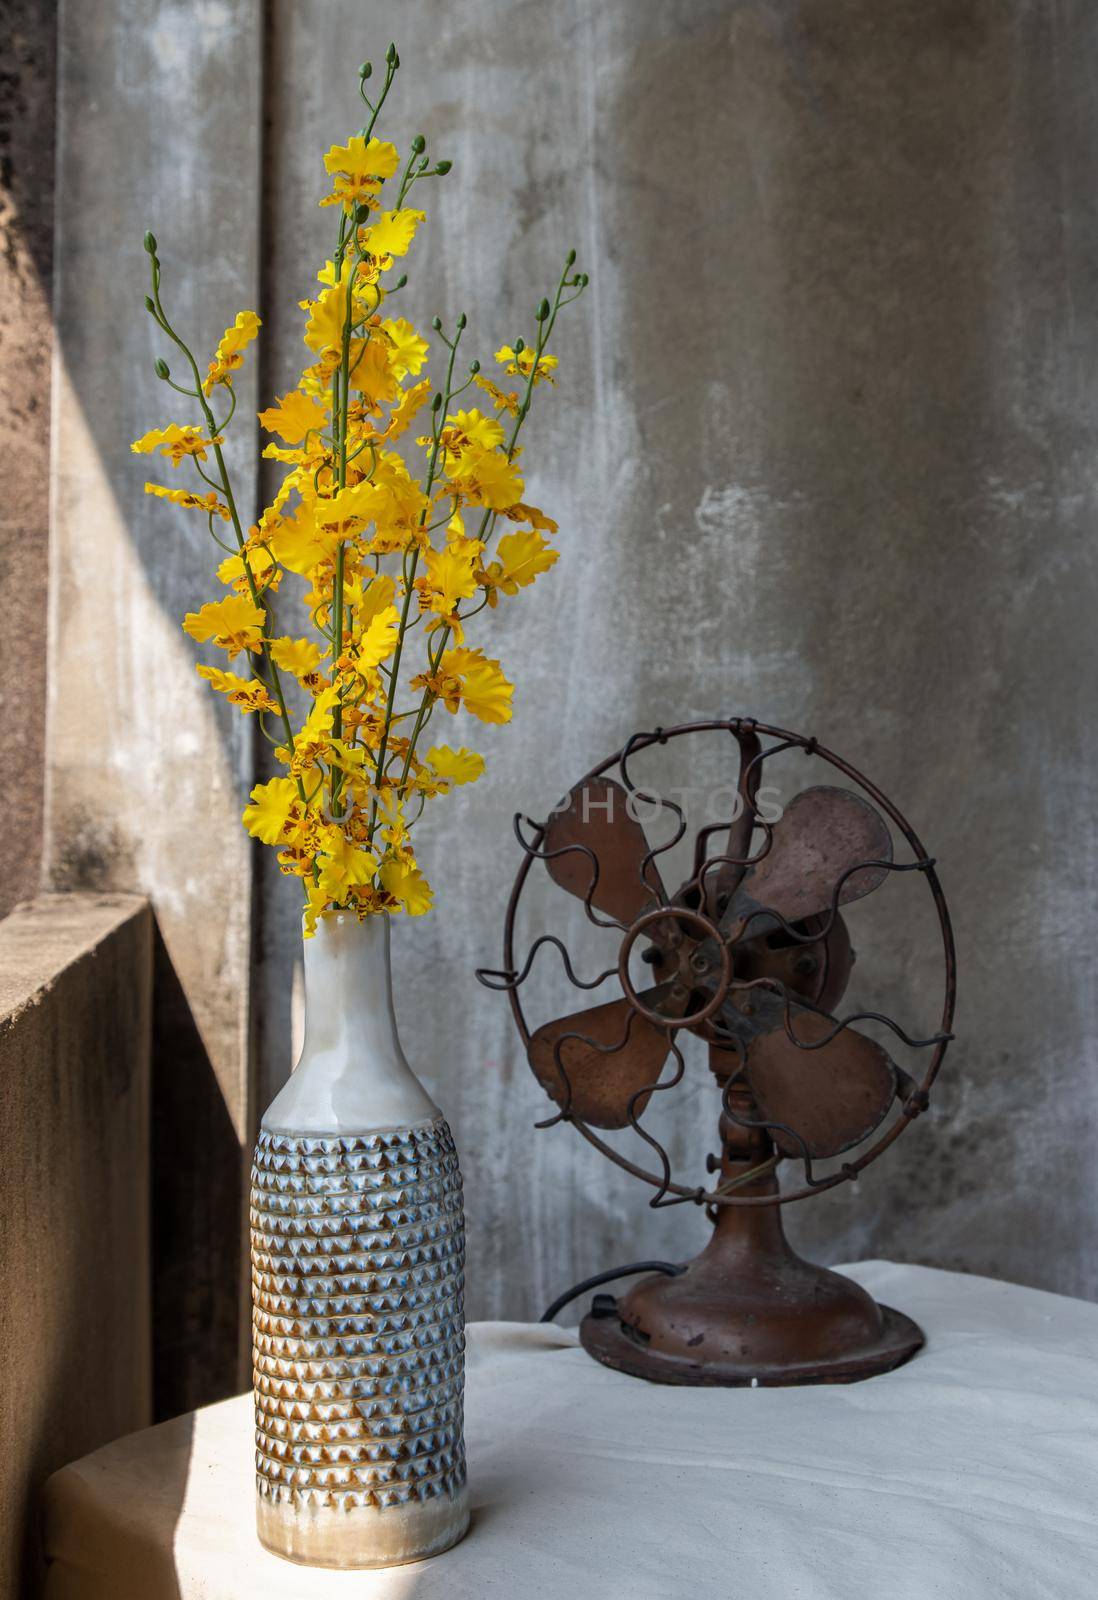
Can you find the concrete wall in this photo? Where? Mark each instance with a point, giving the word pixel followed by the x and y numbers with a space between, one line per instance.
pixel 28 51
pixel 75 1009
pixel 144 772
pixel 822 451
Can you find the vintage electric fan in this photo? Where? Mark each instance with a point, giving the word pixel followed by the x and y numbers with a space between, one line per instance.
pixel 752 955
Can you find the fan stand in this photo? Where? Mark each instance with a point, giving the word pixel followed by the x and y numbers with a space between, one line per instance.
pixel 748 1310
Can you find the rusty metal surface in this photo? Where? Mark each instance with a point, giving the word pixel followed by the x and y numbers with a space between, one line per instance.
pixel 748 1309
pixel 812 863
pixel 745 1343
pixel 630 861
pixel 834 1096
pixel 817 973
pixel 593 847
pixel 752 955
pixel 597 1064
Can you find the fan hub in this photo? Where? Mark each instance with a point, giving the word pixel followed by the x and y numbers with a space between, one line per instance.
pixel 704 953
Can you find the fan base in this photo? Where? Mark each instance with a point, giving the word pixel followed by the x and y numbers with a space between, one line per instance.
pixel 605 1338
pixel 749 1310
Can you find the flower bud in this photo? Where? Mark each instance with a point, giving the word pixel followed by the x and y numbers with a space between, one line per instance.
pixel 391 55
pixel 520 346
pixel 571 259
pixel 365 70
pixel 474 367
pixel 436 323
pixel 543 310
pixel 161 368
pixel 462 320
pixel 150 243
pixel 436 403
pixel 419 144
pixel 150 306
pixel 443 167
pixel 401 281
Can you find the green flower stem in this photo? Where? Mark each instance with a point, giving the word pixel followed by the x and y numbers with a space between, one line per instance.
pixel 230 501
pixel 488 521
pixel 409 577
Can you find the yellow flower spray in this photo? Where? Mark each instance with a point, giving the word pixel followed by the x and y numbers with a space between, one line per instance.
pixel 350 506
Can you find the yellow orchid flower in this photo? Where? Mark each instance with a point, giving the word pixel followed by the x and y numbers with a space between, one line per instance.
pixel 375 531
pixel 405 882
pixel 486 478
pixel 230 350
pixel 409 347
pixel 521 363
pixel 522 558
pixel 273 806
pixel 247 693
pixel 455 766
pixel 183 497
pixel 298 656
pixel 176 443
pixel 343 865
pixel 451 578
pixel 360 167
pixel 379 639
pixel 391 233
pixel 235 624
pixel 295 415
pixel 480 686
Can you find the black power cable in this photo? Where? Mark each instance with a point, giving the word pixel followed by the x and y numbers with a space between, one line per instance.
pixel 668 1268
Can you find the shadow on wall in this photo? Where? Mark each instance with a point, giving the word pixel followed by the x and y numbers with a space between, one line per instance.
pixel 197 1241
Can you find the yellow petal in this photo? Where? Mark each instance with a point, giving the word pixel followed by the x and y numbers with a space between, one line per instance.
pixel 269 814
pixel 457 766
pixel 404 881
pixel 522 557
pixel 392 233
pixel 379 640
pixel 484 691
pixel 293 417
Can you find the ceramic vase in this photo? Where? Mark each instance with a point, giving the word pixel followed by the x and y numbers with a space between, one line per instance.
pixel 357 1283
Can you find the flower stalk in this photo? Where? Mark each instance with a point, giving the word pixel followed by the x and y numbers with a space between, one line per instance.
pixel 381 547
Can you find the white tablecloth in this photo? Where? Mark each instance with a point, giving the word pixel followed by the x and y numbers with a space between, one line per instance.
pixel 972 1472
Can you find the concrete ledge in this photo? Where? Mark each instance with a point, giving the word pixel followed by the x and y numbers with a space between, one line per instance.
pixel 75 1019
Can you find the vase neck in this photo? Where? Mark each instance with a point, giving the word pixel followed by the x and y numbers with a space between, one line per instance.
pixel 351 1076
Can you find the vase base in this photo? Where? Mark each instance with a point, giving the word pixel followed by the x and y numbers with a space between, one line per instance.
pixel 362 1536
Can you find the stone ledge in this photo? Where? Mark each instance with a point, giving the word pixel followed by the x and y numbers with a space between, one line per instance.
pixel 41 939
pixel 75 1028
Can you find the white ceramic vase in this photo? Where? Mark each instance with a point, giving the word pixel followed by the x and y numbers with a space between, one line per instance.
pixel 358 1249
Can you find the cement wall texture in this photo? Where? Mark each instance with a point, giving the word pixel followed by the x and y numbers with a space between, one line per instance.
pixel 822 451
pixel 75 1008
pixel 28 83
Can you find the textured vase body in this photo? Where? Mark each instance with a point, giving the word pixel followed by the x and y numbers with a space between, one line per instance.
pixel 358 1251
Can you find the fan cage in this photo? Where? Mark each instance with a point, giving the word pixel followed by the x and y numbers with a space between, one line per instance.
pixel 510 978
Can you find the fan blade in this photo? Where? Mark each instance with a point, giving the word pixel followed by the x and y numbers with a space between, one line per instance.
pixel 602 1082
pixel 822 835
pixel 833 1096
pixel 596 816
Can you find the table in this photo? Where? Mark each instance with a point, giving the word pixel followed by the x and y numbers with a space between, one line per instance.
pixel 972 1472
